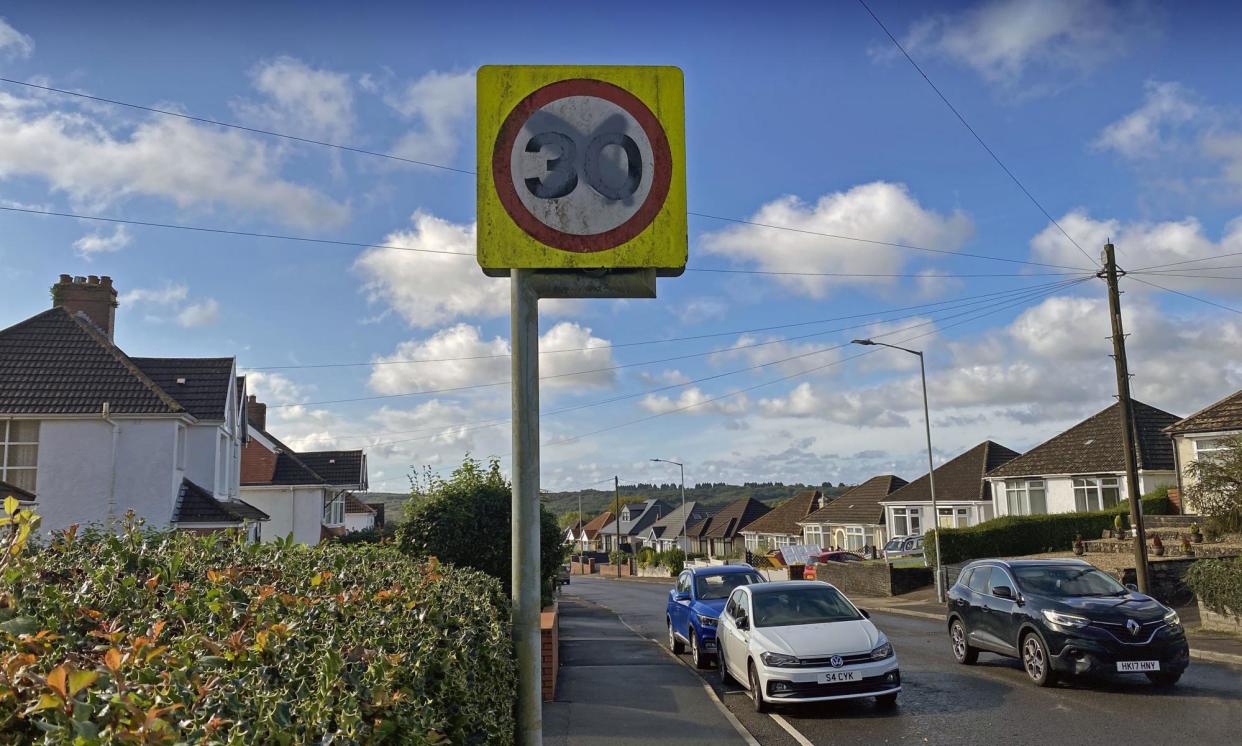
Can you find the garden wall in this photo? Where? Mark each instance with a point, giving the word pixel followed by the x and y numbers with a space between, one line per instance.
pixel 873 579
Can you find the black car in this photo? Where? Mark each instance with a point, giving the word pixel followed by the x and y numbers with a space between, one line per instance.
pixel 1063 617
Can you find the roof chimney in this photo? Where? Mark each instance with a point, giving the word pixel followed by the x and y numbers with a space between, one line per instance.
pixel 94 296
pixel 256 412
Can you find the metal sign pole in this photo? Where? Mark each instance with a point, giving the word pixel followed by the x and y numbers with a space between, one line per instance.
pixel 525 505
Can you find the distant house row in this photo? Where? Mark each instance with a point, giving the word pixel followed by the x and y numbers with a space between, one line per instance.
pixel 1081 469
pixel 89 433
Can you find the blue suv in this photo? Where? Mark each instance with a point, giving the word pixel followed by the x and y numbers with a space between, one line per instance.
pixel 695 603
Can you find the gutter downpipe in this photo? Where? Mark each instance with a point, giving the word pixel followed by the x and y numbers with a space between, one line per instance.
pixel 106 414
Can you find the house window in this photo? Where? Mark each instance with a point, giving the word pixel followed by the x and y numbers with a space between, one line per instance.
pixel 1096 493
pixel 1210 446
pixel 907 522
pixel 334 510
pixel 181 436
pixel 1026 497
pixel 855 537
pixel 19 453
pixel 814 535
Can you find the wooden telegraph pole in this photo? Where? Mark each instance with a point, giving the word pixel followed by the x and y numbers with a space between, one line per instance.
pixel 1110 274
pixel 616 519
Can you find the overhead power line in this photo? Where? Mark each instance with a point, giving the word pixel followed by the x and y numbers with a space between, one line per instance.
pixel 972 131
pixel 1185 295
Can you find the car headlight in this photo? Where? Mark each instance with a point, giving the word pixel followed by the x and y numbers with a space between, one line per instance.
pixel 1065 620
pixel 882 651
pixel 779 660
pixel 706 621
pixel 1172 619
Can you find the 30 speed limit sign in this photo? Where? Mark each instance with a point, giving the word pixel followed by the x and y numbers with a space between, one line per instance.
pixel 581 168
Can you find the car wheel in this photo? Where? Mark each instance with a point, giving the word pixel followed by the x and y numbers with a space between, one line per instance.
pixel 756 690
pixel 725 676
pixel 887 700
pixel 674 644
pixel 696 652
pixel 963 652
pixel 1164 679
pixel 1036 662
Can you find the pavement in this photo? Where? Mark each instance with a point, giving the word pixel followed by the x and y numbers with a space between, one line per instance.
pixel 946 703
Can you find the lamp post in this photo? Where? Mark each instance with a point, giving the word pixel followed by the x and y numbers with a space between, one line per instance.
pixel 931 468
pixel 685 519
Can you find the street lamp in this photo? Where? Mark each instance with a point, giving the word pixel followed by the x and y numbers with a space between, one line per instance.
pixel 931 469
pixel 685 520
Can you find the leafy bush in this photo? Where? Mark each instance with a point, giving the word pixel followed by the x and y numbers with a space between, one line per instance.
pixel 1218 584
pixel 647 556
pixel 1216 491
pixel 674 559
pixel 465 521
pixel 1011 536
pixel 366 536
pixel 161 638
pixel 618 557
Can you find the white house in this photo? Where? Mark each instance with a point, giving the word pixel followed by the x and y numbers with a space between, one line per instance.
pixel 779 526
pixel 855 519
pixel 634 520
pixel 1083 468
pixel 89 432
pixel 670 531
pixel 962 496
pixel 305 493
pixel 1202 434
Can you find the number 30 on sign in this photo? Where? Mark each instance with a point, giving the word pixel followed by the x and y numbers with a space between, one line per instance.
pixel 581 168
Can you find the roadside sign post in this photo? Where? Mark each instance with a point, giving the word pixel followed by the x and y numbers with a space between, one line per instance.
pixel 581 194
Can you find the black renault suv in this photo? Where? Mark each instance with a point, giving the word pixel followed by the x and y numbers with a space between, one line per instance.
pixel 1063 617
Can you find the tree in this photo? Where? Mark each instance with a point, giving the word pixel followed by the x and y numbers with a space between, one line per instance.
pixel 1217 489
pixel 568 519
pixel 465 521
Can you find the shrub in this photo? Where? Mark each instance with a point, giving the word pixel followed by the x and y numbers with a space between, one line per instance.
pixel 1011 536
pixel 647 556
pixel 150 637
pixel 674 559
pixel 618 557
pixel 366 536
pixel 1218 584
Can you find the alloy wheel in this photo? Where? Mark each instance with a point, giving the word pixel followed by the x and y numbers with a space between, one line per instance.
pixel 696 655
pixel 959 641
pixel 1035 660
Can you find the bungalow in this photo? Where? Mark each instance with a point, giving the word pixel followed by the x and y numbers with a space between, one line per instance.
pixel 589 537
pixel 1083 468
pixel 670 531
pixel 1201 434
pixel 779 526
pixel 88 433
pixel 962 496
pixel 855 519
pixel 306 492
pixel 573 532
pixel 635 519
pixel 715 535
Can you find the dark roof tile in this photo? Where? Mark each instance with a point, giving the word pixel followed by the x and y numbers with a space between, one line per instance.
pixel 860 504
pixel 201 385
pixel 1225 414
pixel 958 479
pixel 783 519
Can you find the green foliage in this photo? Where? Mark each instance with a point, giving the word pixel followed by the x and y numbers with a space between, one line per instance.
pixel 366 536
pixel 568 519
pixel 1217 489
pixel 647 556
pixel 674 559
pixel 161 638
pixel 1218 584
pixel 618 557
pixel 465 521
pixel 1011 536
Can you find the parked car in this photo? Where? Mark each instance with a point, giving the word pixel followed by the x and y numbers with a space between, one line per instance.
pixel 694 606
pixel 804 641
pixel 837 555
pixel 900 547
pixel 562 575
pixel 1063 617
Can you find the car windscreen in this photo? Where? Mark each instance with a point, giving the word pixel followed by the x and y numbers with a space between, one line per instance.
pixel 892 544
pixel 713 587
pixel 807 605
pixel 1067 580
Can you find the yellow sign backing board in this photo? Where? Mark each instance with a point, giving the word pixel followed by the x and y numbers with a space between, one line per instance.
pixel 581 167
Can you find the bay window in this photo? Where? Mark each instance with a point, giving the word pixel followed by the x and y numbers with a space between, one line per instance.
pixel 1026 497
pixel 1096 493
pixel 19 453
pixel 855 537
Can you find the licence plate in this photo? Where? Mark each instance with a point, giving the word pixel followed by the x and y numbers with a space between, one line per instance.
pixel 839 677
pixel 1136 666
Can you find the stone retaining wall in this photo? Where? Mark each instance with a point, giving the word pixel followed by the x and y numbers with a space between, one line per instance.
pixel 874 579
pixel 1212 620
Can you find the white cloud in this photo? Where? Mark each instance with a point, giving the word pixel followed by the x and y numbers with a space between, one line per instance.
pixel 203 313
pixel 99 243
pixel 271 387
pixel 1001 40
pixel 847 408
pixel 879 211
pixel 170 293
pixel 163 157
pixel 487 361
pixel 775 353
pixel 302 100
pixel 14 43
pixel 1146 131
pixel 439 105
pixel 666 377
pixel 693 401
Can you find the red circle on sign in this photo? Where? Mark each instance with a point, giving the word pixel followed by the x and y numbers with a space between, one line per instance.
pixel 502 171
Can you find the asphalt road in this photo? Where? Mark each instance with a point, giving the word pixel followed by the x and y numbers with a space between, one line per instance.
pixel 945 703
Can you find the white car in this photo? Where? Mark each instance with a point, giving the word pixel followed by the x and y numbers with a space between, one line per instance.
pixel 804 641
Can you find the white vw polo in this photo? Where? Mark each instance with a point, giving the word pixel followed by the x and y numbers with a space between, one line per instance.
pixel 804 641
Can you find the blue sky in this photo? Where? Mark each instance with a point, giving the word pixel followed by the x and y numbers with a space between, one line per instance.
pixel 1121 118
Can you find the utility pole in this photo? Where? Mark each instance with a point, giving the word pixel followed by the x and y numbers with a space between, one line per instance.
pixel 1110 274
pixel 616 519
pixel 581 532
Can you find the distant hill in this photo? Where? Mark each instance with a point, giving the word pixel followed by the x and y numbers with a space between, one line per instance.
pixel 712 495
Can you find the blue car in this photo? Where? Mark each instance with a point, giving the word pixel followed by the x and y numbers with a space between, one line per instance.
pixel 695 603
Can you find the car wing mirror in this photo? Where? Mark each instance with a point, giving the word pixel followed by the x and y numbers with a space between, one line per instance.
pixel 1003 591
pixel 1132 587
pixel 742 623
pixel 681 596
pixel 866 614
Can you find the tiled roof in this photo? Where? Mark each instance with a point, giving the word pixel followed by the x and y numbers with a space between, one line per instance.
pixel 1094 445
pixel 1225 414
pixel 7 489
pixel 729 520
pixel 595 524
pixel 783 519
pixel 197 505
pixel 291 470
pixel 650 512
pixel 673 523
pixel 354 505
pixel 55 363
pixel 860 504
pixel 201 385
pixel 337 467
pixel 958 479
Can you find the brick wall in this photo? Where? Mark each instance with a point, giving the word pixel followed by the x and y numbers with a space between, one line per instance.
pixel 874 579
pixel 257 463
pixel 611 570
pixel 549 643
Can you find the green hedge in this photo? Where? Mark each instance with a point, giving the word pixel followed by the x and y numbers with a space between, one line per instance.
pixel 1011 536
pixel 1218 584
pixel 170 638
